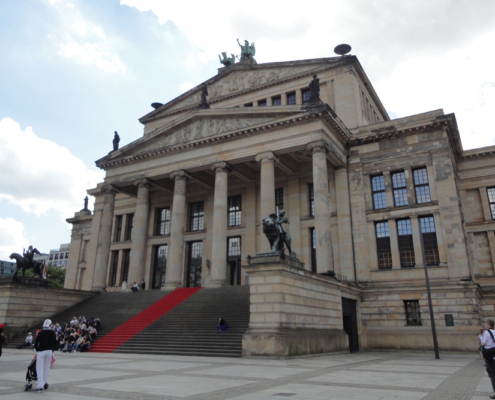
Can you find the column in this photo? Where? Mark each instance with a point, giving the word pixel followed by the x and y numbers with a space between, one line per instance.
pixel 267 190
pixel 173 276
pixel 294 214
pixel 323 226
pixel 219 248
pixel 394 243
pixel 140 232
pixel 416 232
pixel 344 223
pixel 104 238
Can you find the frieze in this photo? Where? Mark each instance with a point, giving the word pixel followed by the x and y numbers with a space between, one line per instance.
pixel 204 128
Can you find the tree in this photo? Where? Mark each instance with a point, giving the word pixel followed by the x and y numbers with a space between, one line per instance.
pixel 56 276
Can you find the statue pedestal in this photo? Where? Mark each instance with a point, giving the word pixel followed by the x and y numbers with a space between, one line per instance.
pixel 294 312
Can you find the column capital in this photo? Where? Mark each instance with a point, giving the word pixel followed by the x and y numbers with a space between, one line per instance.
pixel 221 166
pixel 109 189
pixel 267 156
pixel 143 183
pixel 317 147
pixel 180 175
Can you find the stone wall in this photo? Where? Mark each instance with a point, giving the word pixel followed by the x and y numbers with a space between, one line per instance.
pixel 23 306
pixel 293 312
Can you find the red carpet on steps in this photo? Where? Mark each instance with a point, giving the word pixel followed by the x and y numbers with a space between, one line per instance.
pixel 136 324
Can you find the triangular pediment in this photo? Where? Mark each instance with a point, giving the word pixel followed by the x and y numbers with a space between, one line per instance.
pixel 238 78
pixel 200 125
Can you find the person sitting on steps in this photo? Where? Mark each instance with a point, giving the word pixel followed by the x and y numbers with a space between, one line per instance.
pixel 222 325
pixel 135 287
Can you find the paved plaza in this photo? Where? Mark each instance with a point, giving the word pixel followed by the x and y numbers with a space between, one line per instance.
pixel 364 375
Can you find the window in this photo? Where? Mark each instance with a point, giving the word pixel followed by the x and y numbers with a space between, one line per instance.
pixel 163 222
pixel 413 314
pixel 118 228
pixel 234 246
pixel 279 200
pixel 262 103
pixel 400 191
pixel 130 225
pixel 234 210
pixel 306 95
pixel 383 245
pixel 312 235
pixel 197 216
pixel 115 264
pixel 51 256
pixel 277 101
pixel 66 255
pixel 311 200
pixel 291 98
pixel 248 105
pixel 56 256
pixel 427 225
pixel 421 185
pixel 491 200
pixel 378 191
pixel 127 260
pixel 406 247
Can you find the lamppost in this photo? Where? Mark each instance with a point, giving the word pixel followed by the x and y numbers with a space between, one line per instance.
pixel 432 317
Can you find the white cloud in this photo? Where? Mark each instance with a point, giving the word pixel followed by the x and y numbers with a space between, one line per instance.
pixel 39 175
pixel 186 86
pixel 416 60
pixel 11 237
pixel 81 40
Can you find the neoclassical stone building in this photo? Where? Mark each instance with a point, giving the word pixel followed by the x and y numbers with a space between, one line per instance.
pixel 182 205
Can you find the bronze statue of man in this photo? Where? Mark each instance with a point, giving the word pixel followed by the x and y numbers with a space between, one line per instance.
pixel 314 88
pixel 116 141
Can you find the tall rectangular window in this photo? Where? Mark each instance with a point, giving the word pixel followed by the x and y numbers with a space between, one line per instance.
pixel 115 264
pixel 378 191
pixel 279 200
pixel 248 105
pixel 306 95
pixel 400 191
pixel 427 225
pixel 130 226
pixel 413 313
pixel 277 101
pixel 234 246
pixel 312 235
pixel 383 245
pixel 491 200
pixel 197 216
pixel 262 103
pixel 406 247
pixel 311 200
pixel 127 261
pixel 291 99
pixel 234 211
pixel 163 222
pixel 118 228
pixel 421 185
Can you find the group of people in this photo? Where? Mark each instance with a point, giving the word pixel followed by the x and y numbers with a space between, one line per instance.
pixel 135 286
pixel 75 335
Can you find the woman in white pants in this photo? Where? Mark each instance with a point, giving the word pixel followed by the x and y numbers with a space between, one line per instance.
pixel 45 344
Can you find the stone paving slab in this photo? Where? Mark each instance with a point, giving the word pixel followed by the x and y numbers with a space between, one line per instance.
pixel 364 375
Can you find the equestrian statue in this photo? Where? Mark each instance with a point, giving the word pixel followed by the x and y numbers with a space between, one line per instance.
pixel 277 236
pixel 25 262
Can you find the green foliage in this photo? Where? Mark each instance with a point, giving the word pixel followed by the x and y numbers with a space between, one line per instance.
pixel 56 276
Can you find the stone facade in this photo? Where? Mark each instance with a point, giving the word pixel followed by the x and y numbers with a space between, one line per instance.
pixel 182 205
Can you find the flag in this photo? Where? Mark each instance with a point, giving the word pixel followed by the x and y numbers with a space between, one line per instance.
pixel 44 270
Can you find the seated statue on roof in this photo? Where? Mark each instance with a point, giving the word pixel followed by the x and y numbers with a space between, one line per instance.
pixel 247 52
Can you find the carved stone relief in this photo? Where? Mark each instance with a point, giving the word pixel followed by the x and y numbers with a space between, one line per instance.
pixel 202 129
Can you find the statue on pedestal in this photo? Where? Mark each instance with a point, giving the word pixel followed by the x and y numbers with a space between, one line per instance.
pixel 279 239
pixel 204 103
pixel 247 52
pixel 314 88
pixel 116 141
pixel 25 262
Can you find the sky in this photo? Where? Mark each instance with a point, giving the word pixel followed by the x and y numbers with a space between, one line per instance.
pixel 74 71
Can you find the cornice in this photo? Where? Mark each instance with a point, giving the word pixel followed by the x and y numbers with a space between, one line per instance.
pixel 153 115
pixel 323 113
pixel 79 220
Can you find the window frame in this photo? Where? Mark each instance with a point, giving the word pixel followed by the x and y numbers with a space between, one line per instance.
pixel 414 308
pixel 381 192
pixel 118 228
pixel 290 96
pixel 305 95
pixel 405 243
pixel 430 244
pixel 230 240
pixel 491 201
pixel 311 199
pixel 275 99
pixel 399 189
pixel 197 222
pixel 279 200
pixel 421 185
pixel 383 247
pixel 262 103
pixel 162 223
pixel 234 211
pixel 129 227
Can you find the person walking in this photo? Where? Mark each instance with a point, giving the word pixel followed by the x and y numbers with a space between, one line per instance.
pixel 45 344
pixel 488 342
pixel 3 340
pixel 143 284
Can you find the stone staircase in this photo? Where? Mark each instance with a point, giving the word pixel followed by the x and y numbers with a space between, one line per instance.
pixel 191 327
pixel 188 329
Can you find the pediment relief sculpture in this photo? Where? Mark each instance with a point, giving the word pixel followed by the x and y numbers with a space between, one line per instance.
pixel 201 129
pixel 238 81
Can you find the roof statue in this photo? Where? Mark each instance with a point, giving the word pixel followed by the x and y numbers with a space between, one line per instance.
pixel 247 52
pixel 116 141
pixel 314 88
pixel 226 61
pixel 204 94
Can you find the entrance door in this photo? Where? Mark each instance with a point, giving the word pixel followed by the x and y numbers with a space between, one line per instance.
pixel 160 266
pixel 234 260
pixel 349 317
pixel 194 262
pixel 234 272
